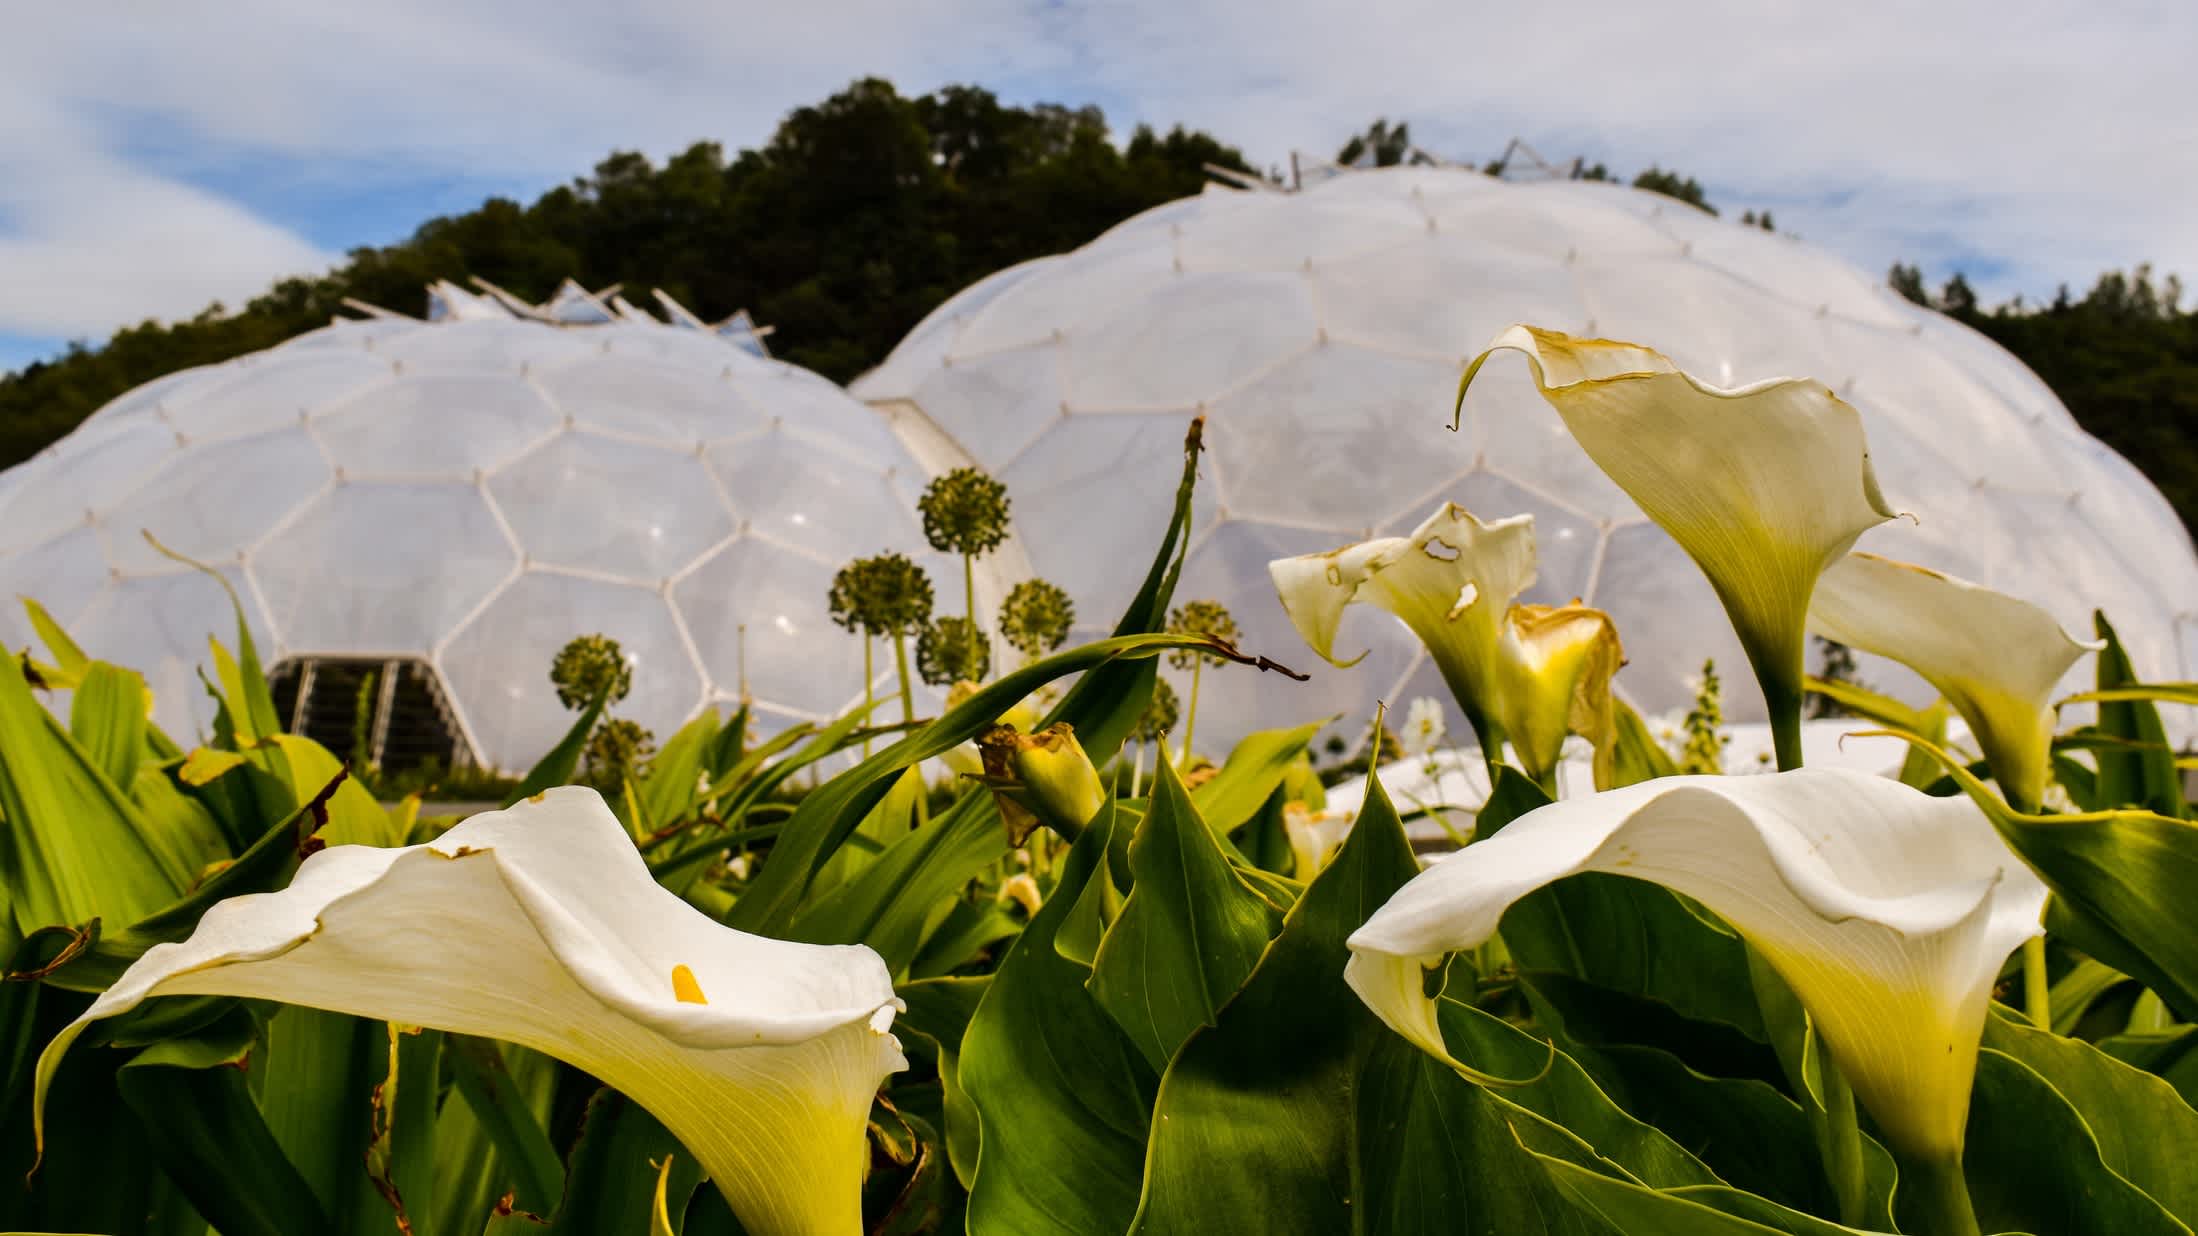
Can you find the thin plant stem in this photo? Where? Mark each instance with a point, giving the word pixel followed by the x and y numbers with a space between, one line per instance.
pixel 900 662
pixel 2037 992
pixel 969 601
pixel 869 696
pixel 1190 714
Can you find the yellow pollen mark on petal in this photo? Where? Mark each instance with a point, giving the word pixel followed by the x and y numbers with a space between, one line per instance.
pixel 685 988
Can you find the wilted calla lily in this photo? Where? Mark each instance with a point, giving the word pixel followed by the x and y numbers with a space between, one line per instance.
pixel 1763 486
pixel 1451 582
pixel 1556 663
pixel 1886 910
pixel 1994 657
pixel 541 925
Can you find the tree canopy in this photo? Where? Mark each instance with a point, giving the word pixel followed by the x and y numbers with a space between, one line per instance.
pixel 866 210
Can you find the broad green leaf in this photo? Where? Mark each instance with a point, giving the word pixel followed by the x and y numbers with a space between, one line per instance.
pixel 74 846
pixel 674 776
pixel 2076 991
pixel 107 719
pixel 1301 1108
pixel 354 818
pixel 486 1084
pixel 2144 773
pixel 1191 931
pixel 1634 1209
pixel 939 1012
pixel 2146 1133
pixel 895 902
pixel 1626 935
pixel 477 1166
pixel 610 1179
pixel 99 1173
pixel 401 1152
pixel 316 1079
pixel 969 928
pixel 98 958
pixel 2170 1055
pixel 1230 798
pixel 2120 881
pixel 196 1107
pixel 2035 1166
pixel 177 823
pixel 1747 1131
pixel 1062 1095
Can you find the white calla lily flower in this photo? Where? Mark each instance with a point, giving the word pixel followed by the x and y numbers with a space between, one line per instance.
pixel 1888 911
pixel 541 925
pixel 1556 666
pixel 1996 658
pixel 1763 486
pixel 1451 582
pixel 1314 837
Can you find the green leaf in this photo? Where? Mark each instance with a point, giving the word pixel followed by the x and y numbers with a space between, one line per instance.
pixel 107 719
pixel 1748 1132
pixel 563 760
pixel 195 1103
pixel 1623 934
pixel 1867 704
pixel 674 776
pixel 2076 991
pixel 2034 1165
pixel 474 1170
pixel 610 1180
pixel 316 1088
pixel 1191 931
pixel 2145 1131
pixel 400 1152
pixel 501 1106
pixel 74 846
pixel 1702 1210
pixel 2120 879
pixel 2166 692
pixel 1639 756
pixel 308 768
pixel 893 903
pixel 1301 1108
pixel 1062 1095
pixel 1232 796
pixel 64 650
pixel 1105 704
pixel 827 816
pixel 969 928
pixel 939 1013
pixel 2144 773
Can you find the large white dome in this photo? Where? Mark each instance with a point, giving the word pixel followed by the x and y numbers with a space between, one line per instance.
pixel 1323 334
pixel 472 493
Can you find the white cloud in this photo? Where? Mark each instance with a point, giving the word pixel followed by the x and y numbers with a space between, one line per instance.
pixel 2039 138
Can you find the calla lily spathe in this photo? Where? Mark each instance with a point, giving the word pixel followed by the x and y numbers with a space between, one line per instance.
pixel 541 925
pixel 1996 658
pixel 1451 582
pixel 1886 910
pixel 1556 666
pixel 1763 486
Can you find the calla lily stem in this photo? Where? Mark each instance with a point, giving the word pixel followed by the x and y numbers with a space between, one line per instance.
pixel 900 661
pixel 1190 714
pixel 1941 1203
pixel 2037 988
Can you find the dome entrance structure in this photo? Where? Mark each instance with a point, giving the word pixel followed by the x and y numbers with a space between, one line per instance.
pixel 1323 333
pixel 459 497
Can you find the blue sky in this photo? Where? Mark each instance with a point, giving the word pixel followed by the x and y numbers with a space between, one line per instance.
pixel 158 159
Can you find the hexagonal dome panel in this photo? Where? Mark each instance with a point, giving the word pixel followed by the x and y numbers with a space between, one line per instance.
pixel 1323 333
pixel 471 493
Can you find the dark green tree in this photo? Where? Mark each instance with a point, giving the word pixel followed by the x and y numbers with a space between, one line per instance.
pixel 1671 184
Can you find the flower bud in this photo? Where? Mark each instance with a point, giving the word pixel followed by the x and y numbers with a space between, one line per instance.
pixel 1042 778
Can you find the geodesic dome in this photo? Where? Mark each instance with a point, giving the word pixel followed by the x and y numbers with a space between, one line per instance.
pixel 468 494
pixel 1323 334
